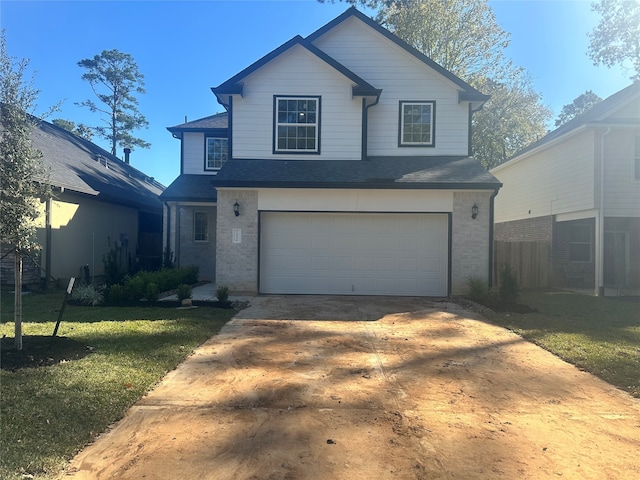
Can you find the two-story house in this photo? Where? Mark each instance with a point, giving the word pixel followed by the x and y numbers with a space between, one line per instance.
pixel 342 165
pixel 576 192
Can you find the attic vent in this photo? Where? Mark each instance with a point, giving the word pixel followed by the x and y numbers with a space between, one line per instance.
pixel 102 160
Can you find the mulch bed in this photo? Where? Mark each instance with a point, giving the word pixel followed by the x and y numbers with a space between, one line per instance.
pixel 40 351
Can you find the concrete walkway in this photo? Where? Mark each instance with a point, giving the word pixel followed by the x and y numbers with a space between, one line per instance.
pixel 207 293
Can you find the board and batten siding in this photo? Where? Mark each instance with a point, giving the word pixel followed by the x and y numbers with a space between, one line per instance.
pixel 193 153
pixel 378 60
pixel 622 190
pixel 297 72
pixel 548 182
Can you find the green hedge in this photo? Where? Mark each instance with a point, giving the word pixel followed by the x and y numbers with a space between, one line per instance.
pixel 137 286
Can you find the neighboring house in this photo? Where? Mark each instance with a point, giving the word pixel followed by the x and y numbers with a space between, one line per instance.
pixel 341 166
pixel 99 202
pixel 577 193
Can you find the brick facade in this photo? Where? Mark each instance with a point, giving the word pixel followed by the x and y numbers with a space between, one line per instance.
pixel 237 265
pixel 470 240
pixel 200 253
pixel 537 229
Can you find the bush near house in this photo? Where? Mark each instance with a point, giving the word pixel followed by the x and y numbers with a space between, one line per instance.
pixel 149 284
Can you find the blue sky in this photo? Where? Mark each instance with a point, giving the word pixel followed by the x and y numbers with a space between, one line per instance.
pixel 184 48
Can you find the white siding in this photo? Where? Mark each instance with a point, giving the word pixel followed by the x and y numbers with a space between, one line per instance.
pixel 552 181
pixel 193 153
pixel 402 77
pixel 622 190
pixel 297 72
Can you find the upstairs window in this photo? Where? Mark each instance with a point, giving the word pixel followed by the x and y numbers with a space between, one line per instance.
pixel 200 227
pixel 217 153
pixel 637 158
pixel 417 124
pixel 297 125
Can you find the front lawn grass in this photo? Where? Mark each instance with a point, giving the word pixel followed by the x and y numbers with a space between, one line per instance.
pixel 598 334
pixel 48 413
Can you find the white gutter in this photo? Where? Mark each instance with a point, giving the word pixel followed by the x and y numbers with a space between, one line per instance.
pixel 599 287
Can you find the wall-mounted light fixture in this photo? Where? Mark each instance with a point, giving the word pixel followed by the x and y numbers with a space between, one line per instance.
pixel 236 209
pixel 474 211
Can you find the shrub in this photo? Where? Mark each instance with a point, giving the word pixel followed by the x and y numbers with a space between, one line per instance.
pixel 183 292
pixel 222 294
pixel 478 289
pixel 116 294
pixel 508 284
pixel 135 287
pixel 152 292
pixel 114 272
pixel 168 258
pixel 189 274
pixel 88 295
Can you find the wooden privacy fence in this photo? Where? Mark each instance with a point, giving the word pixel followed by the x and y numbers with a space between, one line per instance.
pixel 530 260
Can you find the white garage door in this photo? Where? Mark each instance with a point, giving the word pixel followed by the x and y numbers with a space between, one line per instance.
pixel 354 253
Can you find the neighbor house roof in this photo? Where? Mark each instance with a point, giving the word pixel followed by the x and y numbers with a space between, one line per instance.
pixel 76 164
pixel 219 121
pixel 376 172
pixel 595 116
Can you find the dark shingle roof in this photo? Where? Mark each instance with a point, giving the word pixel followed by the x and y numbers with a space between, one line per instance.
pixel 191 188
pixel 214 122
pixel 79 165
pixel 377 172
pixel 594 115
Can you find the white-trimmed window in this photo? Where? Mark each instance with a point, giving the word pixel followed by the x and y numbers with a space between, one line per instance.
pixel 417 124
pixel 580 238
pixel 217 153
pixel 297 125
pixel 200 227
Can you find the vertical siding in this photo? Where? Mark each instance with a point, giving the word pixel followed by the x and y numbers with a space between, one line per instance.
pixel 297 72
pixel 552 181
pixel 402 77
pixel 622 190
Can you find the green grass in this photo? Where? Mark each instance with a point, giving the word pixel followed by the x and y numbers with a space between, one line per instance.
pixel 49 413
pixel 598 334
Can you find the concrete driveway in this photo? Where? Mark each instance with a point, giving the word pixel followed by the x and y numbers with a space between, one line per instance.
pixel 299 387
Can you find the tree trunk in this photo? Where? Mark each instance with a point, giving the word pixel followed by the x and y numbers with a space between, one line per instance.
pixel 17 313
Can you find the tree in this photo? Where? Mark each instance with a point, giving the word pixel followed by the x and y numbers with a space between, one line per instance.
pixel 464 37
pixel 81 129
pixel 22 174
pixel 580 104
pixel 616 39
pixel 115 79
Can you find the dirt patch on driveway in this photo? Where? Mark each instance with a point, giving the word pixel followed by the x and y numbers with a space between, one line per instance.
pixel 353 388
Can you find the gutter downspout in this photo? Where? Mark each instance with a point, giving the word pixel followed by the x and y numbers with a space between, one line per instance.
pixel 365 125
pixel 491 222
pixel 48 247
pixel 599 287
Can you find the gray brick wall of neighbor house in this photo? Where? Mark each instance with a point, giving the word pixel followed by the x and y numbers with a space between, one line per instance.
pixel 237 266
pixel 470 242
pixel 201 253
pixel 538 229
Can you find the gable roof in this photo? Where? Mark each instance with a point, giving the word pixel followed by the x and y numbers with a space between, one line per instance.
pixel 219 121
pixel 78 165
pixel 191 188
pixel 595 116
pixel 443 172
pixel 234 84
pixel 468 92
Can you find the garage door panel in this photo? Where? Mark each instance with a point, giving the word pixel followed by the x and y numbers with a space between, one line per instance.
pixel 366 254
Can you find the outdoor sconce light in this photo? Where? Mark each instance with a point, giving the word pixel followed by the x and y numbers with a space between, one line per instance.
pixel 236 209
pixel 474 211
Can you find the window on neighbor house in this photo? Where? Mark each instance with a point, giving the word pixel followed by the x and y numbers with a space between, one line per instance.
pixel 200 227
pixel 217 153
pixel 637 158
pixel 297 125
pixel 417 124
pixel 580 238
